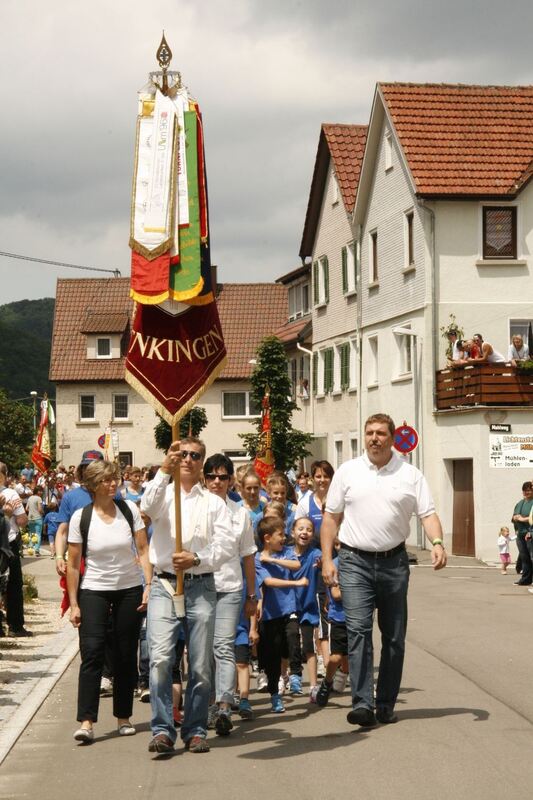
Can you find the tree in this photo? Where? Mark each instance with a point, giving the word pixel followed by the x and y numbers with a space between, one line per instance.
pixel 192 424
pixel 16 432
pixel 288 444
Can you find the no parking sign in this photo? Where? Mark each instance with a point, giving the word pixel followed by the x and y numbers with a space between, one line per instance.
pixel 405 439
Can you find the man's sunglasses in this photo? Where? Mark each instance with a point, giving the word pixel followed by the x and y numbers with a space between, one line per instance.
pixel 211 476
pixel 192 453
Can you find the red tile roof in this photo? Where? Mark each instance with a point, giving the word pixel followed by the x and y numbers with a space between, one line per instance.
pixel 464 140
pixel 104 323
pixel 347 146
pixel 344 145
pixel 248 312
pixel 291 331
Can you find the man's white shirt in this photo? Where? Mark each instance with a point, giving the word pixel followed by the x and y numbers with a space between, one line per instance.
pixel 378 503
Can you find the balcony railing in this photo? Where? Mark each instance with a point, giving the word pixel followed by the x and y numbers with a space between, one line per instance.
pixel 483 385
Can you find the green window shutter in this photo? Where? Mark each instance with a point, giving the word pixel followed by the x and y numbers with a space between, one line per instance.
pixel 345 366
pixel 326 280
pixel 328 370
pixel 315 373
pixel 344 253
pixel 315 283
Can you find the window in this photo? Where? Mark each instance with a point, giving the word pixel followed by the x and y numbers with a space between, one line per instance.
pixel 354 365
pixel 125 458
pixel 239 404
pixel 120 406
pixel 334 190
pixel 344 358
pixel 321 281
pixel 373 361
pixel 405 351
pixel 237 456
pixel 388 151
pixel 349 268
pixel 298 301
pixel 499 232
pixel 293 376
pixel 303 377
pixel 103 347
pixel 87 406
pixel 409 239
pixel 327 360
pixel 353 446
pixel 338 453
pixel 519 327
pixel 373 257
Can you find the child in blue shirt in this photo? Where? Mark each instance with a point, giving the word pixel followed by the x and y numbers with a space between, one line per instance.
pixel 246 637
pixel 338 642
pixel 309 557
pixel 274 566
pixel 50 526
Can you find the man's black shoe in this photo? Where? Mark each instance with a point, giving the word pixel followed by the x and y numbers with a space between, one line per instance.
pixel 522 583
pixel 386 716
pixel 223 723
pixel 20 632
pixel 324 691
pixel 364 717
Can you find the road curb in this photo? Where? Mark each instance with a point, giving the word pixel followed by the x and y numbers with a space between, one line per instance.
pixel 15 725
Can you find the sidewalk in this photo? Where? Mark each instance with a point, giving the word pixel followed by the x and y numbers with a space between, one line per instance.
pixel 29 668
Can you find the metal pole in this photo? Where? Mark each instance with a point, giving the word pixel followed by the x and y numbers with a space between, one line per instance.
pixel 177 511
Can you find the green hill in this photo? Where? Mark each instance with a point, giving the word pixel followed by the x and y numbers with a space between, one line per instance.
pixel 26 339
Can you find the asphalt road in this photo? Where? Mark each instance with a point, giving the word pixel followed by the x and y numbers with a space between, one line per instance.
pixel 465 725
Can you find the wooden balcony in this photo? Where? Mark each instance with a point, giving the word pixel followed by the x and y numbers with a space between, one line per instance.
pixel 483 385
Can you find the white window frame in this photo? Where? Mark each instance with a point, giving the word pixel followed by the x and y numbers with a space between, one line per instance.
pixel 304 374
pixel 506 259
pixel 338 458
pixel 373 281
pixel 353 444
pixel 389 161
pixel 404 353
pixel 292 368
pixel 322 281
pixel 296 300
pixel 351 268
pixel 80 417
pixel 373 360
pixel 247 414
pixel 335 194
pixel 354 365
pixel 337 368
pixel 104 339
pixel 120 419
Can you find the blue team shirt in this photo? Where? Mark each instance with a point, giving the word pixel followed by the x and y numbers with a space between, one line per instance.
pixel 277 602
pixel 242 634
pixel 335 609
pixel 306 599
pixel 74 500
pixel 51 521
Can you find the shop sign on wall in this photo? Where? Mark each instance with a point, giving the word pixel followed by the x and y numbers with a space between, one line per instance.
pixel 511 451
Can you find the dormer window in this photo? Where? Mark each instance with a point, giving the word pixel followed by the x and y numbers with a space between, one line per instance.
pixel 103 347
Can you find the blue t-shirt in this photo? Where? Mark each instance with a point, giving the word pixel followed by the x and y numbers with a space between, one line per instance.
pixel 51 521
pixel 335 609
pixel 133 496
pixel 315 515
pixel 74 500
pixel 277 601
pixel 306 600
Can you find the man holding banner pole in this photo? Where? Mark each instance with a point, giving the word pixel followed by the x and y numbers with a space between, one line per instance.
pixel 206 543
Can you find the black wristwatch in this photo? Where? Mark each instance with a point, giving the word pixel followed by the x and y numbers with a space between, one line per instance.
pixel 196 560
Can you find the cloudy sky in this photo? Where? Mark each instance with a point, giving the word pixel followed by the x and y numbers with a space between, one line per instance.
pixel 266 73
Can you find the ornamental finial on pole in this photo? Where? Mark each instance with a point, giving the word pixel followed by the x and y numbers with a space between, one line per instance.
pixel 164 57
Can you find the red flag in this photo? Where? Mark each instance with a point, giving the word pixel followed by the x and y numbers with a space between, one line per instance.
pixel 264 460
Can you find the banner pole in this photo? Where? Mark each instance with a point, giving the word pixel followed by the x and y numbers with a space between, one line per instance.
pixel 179 604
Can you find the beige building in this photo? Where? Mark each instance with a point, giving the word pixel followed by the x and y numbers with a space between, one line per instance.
pixel 90 338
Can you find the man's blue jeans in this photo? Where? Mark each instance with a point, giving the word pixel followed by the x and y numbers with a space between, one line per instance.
pixel 227 617
pixel 368 583
pixel 163 631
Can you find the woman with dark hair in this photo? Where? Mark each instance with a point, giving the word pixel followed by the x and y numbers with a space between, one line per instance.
pixel 312 504
pixel 103 533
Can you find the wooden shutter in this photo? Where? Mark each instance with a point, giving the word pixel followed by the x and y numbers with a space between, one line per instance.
pixel 315 373
pixel 328 370
pixel 344 254
pixel 326 279
pixel 345 366
pixel 315 283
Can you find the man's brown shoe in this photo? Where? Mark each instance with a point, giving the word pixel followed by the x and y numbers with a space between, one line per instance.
pixel 161 743
pixel 197 744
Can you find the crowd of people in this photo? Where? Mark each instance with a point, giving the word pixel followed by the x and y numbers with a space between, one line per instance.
pixel 276 577
pixel 476 350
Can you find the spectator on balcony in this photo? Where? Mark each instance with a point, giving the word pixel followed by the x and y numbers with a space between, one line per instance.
pixel 460 354
pixel 487 355
pixel 518 351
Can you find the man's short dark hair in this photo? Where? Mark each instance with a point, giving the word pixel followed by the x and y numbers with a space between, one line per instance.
pixel 527 486
pixel 194 440
pixel 269 526
pixel 218 461
pixel 389 422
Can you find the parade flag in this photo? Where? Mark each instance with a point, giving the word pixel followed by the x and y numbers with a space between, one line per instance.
pixel 41 454
pixel 176 347
pixel 264 460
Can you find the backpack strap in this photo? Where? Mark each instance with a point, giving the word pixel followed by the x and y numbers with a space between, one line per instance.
pixel 127 512
pixel 85 522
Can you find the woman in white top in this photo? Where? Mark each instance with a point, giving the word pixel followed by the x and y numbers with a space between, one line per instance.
pixel 35 512
pixel 111 583
pixel 311 505
pixel 518 351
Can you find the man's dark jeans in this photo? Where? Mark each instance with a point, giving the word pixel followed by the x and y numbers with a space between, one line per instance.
pixel 368 583
pixel 524 550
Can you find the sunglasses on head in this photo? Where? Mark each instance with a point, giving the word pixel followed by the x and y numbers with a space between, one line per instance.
pixel 192 453
pixel 211 476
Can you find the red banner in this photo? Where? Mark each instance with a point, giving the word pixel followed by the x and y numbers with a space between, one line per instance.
pixel 264 460
pixel 172 359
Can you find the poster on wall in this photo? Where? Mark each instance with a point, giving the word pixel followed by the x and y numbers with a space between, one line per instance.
pixel 511 451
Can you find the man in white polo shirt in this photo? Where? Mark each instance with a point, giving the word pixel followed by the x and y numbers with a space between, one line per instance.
pixel 371 499
pixel 207 543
